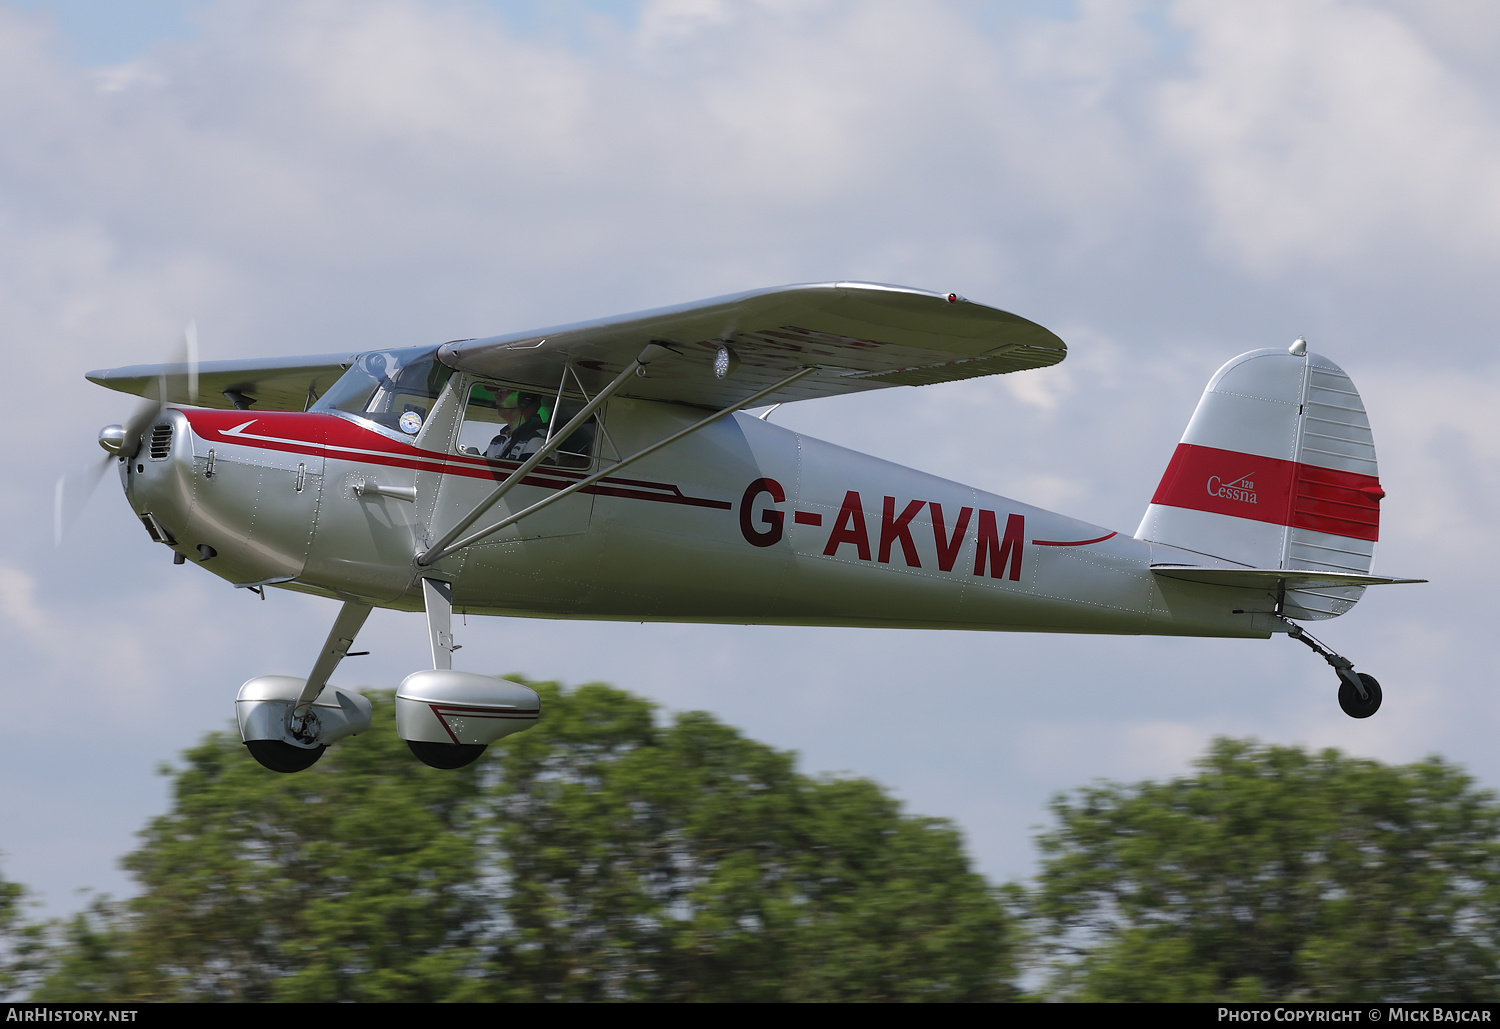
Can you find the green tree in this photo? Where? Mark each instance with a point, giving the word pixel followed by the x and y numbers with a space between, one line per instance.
pixel 1275 873
pixel 354 880
pixel 23 949
pixel 689 863
pixel 597 856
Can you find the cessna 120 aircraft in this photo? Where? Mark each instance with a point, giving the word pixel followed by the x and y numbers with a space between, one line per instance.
pixel 605 470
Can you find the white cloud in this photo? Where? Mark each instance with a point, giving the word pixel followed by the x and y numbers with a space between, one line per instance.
pixel 1326 131
pixel 1040 391
pixel 1439 452
pixel 18 603
pixel 665 23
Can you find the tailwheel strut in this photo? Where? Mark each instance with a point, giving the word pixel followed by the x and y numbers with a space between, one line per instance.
pixel 1359 694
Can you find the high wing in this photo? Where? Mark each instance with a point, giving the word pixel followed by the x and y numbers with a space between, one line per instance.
pixel 857 335
pixel 274 384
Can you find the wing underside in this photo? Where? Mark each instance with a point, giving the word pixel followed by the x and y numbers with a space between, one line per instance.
pixel 857 336
pixel 275 384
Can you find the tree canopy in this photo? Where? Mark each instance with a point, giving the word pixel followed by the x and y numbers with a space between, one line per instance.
pixel 1275 874
pixel 22 944
pixel 605 855
pixel 600 855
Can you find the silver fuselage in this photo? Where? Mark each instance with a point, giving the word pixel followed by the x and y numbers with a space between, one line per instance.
pixel 742 522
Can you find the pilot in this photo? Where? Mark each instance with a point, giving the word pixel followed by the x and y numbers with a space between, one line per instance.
pixel 524 434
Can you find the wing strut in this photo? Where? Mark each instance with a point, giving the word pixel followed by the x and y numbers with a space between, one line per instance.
pixel 441 548
pixel 446 546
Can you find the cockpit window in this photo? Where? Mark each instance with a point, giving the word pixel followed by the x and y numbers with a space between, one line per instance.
pixel 394 388
pixel 504 424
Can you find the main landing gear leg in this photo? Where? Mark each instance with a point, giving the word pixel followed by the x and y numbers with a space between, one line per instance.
pixel 1359 694
pixel 278 722
pixel 437 595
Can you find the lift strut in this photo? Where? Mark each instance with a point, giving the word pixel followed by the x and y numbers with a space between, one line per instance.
pixel 447 546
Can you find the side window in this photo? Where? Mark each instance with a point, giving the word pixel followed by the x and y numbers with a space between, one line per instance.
pixel 503 424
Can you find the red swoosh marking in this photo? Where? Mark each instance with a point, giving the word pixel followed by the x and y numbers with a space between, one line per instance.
pixel 1073 543
pixel 331 436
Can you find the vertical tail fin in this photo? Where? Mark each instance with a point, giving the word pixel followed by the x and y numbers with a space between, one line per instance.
pixel 1276 470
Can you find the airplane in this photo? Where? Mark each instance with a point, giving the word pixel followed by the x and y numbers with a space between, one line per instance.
pixel 610 470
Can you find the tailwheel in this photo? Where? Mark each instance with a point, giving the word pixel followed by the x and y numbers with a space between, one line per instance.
pixel 280 756
pixel 1353 704
pixel 1359 694
pixel 445 755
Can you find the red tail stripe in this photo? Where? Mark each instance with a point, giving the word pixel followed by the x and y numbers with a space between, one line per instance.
pixel 1265 489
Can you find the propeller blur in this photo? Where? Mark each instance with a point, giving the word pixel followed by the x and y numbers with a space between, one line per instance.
pixel 74 489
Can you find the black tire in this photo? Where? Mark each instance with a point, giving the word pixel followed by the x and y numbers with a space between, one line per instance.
pixel 1349 698
pixel 280 756
pixel 445 755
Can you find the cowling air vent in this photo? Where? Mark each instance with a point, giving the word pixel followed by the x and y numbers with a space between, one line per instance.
pixel 161 441
pixel 157 530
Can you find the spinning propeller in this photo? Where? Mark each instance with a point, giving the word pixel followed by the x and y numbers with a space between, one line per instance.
pixel 72 492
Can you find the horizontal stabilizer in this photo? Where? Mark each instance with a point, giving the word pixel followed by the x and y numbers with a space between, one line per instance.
pixel 1273 578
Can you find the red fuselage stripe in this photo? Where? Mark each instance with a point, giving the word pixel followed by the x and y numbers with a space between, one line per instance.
pixel 332 437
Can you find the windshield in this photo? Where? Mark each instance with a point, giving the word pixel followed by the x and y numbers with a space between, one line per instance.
pixel 394 388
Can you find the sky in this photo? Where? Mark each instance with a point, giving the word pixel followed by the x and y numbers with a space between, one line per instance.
pixel 1163 184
